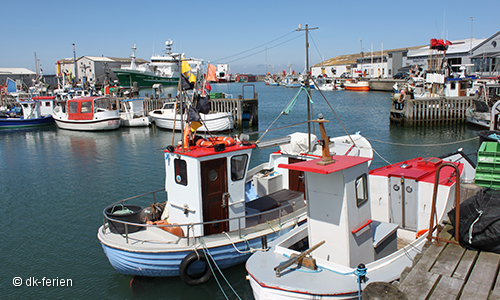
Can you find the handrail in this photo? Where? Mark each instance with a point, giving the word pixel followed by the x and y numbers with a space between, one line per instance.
pixel 433 207
pixel 189 225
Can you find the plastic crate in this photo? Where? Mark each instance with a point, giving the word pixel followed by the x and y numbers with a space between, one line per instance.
pixel 488 165
pixel 216 95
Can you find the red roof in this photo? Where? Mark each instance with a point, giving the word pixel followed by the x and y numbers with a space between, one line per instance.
pixel 196 151
pixel 420 169
pixel 341 162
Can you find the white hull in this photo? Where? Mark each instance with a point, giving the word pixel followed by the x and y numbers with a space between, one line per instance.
pixel 330 281
pixel 135 122
pixel 92 125
pixel 107 120
pixel 214 122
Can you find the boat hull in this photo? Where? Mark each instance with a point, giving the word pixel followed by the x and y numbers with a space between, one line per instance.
pixel 212 122
pixel 144 80
pixel 166 263
pixel 329 281
pixel 135 122
pixel 11 123
pixel 89 125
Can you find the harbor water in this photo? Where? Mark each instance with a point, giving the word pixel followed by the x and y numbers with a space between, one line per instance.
pixel 56 183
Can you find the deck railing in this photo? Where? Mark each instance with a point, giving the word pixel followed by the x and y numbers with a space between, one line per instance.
pixel 284 217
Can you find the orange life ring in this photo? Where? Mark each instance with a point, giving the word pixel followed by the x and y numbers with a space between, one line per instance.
pixel 210 142
pixel 401 97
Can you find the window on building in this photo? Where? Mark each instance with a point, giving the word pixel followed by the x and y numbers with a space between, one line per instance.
pixel 238 167
pixel 180 170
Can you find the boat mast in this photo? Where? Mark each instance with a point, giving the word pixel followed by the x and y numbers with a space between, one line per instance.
pixel 308 76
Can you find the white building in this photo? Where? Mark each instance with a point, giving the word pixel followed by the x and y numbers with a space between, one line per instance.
pixel 93 69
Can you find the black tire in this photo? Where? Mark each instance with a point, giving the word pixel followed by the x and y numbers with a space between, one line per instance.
pixel 186 263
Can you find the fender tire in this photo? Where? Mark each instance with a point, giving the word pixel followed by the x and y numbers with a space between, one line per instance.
pixel 186 263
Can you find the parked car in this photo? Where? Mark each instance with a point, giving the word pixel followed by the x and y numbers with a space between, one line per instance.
pixel 401 75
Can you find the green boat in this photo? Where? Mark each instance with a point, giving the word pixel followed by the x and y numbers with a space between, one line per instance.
pixel 163 69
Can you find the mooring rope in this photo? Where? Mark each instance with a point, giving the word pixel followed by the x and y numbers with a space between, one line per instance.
pixel 207 253
pixel 422 145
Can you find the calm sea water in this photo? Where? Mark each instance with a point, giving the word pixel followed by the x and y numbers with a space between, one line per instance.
pixel 55 184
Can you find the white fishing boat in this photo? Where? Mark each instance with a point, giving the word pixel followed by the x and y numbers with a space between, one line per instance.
pixel 168 117
pixel 205 218
pixel 132 113
pixel 87 114
pixel 362 226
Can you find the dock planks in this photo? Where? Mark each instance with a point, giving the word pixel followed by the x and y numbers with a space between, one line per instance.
pixel 449 271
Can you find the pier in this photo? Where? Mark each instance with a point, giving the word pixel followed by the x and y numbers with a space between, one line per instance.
pixel 449 271
pixel 244 109
pixel 431 110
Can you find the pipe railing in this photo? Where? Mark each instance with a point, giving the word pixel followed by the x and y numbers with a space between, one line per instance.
pixel 433 207
pixel 190 226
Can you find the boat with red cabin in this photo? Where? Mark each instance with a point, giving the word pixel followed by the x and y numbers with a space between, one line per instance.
pixel 88 114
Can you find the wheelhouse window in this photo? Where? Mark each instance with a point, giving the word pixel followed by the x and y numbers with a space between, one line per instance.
pixel 180 171
pixel 86 107
pixel 361 191
pixel 73 106
pixel 238 166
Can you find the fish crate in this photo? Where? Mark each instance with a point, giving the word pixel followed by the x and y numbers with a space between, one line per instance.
pixel 488 165
pixel 488 155
pixel 216 95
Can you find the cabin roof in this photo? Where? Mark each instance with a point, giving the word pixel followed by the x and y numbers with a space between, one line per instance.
pixel 196 151
pixel 82 99
pixel 420 169
pixel 341 162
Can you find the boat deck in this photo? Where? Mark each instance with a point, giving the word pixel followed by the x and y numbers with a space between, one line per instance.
pixel 449 271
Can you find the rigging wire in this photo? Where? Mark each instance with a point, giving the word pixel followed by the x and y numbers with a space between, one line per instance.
pixel 315 46
pixel 256 46
pixel 255 53
pixel 423 145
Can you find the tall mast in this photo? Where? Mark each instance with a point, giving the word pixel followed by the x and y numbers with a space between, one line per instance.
pixel 308 89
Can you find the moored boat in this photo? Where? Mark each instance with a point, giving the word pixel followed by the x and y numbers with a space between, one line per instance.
pixel 361 225
pixel 163 69
pixel 35 112
pixel 132 113
pixel 88 114
pixel 205 218
pixel 168 117
pixel 356 85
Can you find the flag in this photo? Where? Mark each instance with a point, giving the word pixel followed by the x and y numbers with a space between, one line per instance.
pixel 211 73
pixel 11 86
pixel 186 70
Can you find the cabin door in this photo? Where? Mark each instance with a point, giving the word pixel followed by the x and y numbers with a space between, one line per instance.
pixel 403 202
pixel 214 195
pixel 296 178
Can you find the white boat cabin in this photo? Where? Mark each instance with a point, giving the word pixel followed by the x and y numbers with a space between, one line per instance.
pixel 207 184
pixel 361 214
pixel 38 107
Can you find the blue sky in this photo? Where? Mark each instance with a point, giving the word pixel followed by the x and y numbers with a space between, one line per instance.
pixel 217 31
